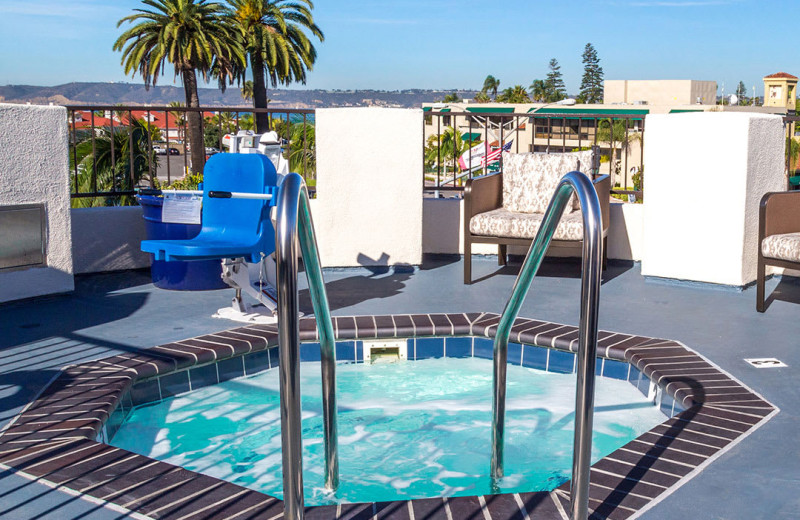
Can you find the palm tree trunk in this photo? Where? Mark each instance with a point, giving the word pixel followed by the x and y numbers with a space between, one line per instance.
pixel 194 121
pixel 259 91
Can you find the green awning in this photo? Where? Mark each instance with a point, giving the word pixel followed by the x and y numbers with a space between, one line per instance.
pixel 485 110
pixel 427 109
pixel 591 112
pixel 474 136
pixel 683 110
pixel 444 110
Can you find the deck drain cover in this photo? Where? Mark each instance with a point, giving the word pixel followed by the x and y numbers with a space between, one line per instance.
pixel 766 362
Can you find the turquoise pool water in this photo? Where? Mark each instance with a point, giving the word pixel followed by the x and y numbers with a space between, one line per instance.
pixel 407 430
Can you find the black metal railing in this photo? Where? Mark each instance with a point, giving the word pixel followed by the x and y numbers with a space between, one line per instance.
pixel 449 136
pixel 116 149
pixel 790 123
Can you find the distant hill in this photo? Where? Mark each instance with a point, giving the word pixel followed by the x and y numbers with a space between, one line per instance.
pixel 136 94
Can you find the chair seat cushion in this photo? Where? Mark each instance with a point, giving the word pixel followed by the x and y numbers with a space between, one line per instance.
pixel 782 247
pixel 503 223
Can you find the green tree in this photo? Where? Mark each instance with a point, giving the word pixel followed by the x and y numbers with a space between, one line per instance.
pixel 192 35
pixel 515 94
pixel 211 129
pixel 302 150
pixel 482 97
pixel 277 45
pixel 539 91
pixel 179 116
pixel 452 98
pixel 556 91
pixel 592 80
pixel 112 161
pixel 618 136
pixel 247 90
pixel 445 148
pixel 491 84
pixel 741 93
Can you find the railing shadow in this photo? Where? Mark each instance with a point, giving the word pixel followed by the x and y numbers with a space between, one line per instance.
pixel 652 455
pixel 559 267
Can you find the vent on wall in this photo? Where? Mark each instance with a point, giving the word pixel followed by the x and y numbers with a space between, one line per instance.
pixel 22 232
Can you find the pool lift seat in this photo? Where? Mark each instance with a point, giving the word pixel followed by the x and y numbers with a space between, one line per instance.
pixel 238 231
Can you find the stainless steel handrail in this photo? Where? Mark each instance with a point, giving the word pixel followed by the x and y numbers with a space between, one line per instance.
pixel 296 229
pixel 587 331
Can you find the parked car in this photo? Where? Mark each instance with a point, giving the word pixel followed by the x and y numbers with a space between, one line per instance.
pixel 174 151
pixel 159 150
pixel 211 150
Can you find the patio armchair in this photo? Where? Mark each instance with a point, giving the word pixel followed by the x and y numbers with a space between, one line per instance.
pixel 507 208
pixel 778 236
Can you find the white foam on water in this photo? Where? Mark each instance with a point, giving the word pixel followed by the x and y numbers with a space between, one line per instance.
pixel 406 430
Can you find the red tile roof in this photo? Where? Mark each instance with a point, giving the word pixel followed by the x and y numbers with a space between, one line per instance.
pixel 780 75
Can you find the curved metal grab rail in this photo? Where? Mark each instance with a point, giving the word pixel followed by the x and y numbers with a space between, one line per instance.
pixel 295 228
pixel 587 331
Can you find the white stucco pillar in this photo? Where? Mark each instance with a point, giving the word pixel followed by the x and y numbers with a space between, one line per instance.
pixel 34 171
pixel 368 209
pixel 705 174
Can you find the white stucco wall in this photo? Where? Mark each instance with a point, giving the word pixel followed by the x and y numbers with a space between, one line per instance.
pixel 368 209
pixel 107 239
pixel 705 175
pixel 33 170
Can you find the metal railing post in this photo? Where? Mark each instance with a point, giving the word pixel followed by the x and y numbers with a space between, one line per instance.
pixel 587 331
pixel 295 234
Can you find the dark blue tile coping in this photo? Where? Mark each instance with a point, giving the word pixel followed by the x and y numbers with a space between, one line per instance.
pixel 540 358
pixel 535 357
pixel 145 392
pixel 174 384
pixel 203 376
pixel 160 377
pixel 561 362
pixel 455 347
pixel 256 362
pixel 429 348
pixel 230 368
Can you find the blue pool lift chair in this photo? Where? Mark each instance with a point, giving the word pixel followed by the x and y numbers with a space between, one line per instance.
pixel 237 231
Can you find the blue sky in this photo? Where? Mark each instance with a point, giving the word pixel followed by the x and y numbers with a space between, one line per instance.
pixel 397 44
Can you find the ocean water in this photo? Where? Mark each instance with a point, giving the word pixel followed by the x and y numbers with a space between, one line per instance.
pixel 411 429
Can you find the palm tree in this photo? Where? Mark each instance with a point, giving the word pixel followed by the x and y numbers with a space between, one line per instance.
pixel 445 148
pixel 301 153
pixel 617 135
pixel 491 84
pixel 515 94
pixel 180 118
pixel 539 90
pixel 192 35
pixel 116 161
pixel 277 45
pixel 247 90
pixel 482 97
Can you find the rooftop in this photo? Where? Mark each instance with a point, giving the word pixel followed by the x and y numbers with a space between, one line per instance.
pixel 123 313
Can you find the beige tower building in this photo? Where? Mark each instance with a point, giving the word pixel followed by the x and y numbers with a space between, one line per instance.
pixel 780 90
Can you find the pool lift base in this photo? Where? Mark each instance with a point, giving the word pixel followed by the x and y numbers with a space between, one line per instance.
pixel 258 281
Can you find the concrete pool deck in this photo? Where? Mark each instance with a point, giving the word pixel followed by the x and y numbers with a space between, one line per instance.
pixel 122 313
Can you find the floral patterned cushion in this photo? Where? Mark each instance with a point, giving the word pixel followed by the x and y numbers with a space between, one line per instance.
pixel 782 247
pixel 530 179
pixel 503 223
